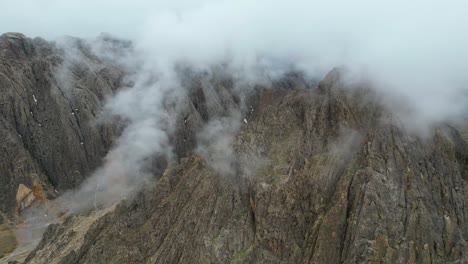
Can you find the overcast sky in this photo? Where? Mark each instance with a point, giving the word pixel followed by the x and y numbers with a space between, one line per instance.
pixel 83 18
pixel 415 48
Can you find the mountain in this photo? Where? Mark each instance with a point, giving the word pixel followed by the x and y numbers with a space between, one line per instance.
pixel 48 141
pixel 297 171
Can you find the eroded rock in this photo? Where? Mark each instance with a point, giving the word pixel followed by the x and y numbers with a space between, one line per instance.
pixel 344 182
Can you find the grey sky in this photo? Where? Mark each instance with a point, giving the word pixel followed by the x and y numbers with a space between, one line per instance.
pixel 83 18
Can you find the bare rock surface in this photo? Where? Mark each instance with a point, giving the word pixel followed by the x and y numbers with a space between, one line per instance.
pixel 48 107
pixel 333 178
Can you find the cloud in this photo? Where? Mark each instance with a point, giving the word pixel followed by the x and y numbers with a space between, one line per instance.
pixel 415 50
pixel 216 143
pixel 147 107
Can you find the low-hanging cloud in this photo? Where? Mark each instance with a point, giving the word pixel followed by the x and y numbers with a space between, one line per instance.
pixel 147 107
pixel 411 49
pixel 414 50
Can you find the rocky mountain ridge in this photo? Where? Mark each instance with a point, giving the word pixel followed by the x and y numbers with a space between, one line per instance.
pixel 316 174
pixel 48 139
pixel 49 142
pixel 341 186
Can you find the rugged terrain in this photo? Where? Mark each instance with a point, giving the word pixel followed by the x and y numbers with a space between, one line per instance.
pixel 319 173
pixel 48 138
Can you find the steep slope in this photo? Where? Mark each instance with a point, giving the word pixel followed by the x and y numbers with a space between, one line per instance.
pixel 321 175
pixel 48 102
pixel 463 128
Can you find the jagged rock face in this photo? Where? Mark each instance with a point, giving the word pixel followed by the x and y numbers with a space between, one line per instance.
pixel 338 181
pixel 47 136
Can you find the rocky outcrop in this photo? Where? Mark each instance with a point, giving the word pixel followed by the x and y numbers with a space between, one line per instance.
pixel 335 178
pixel 8 241
pixel 48 105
